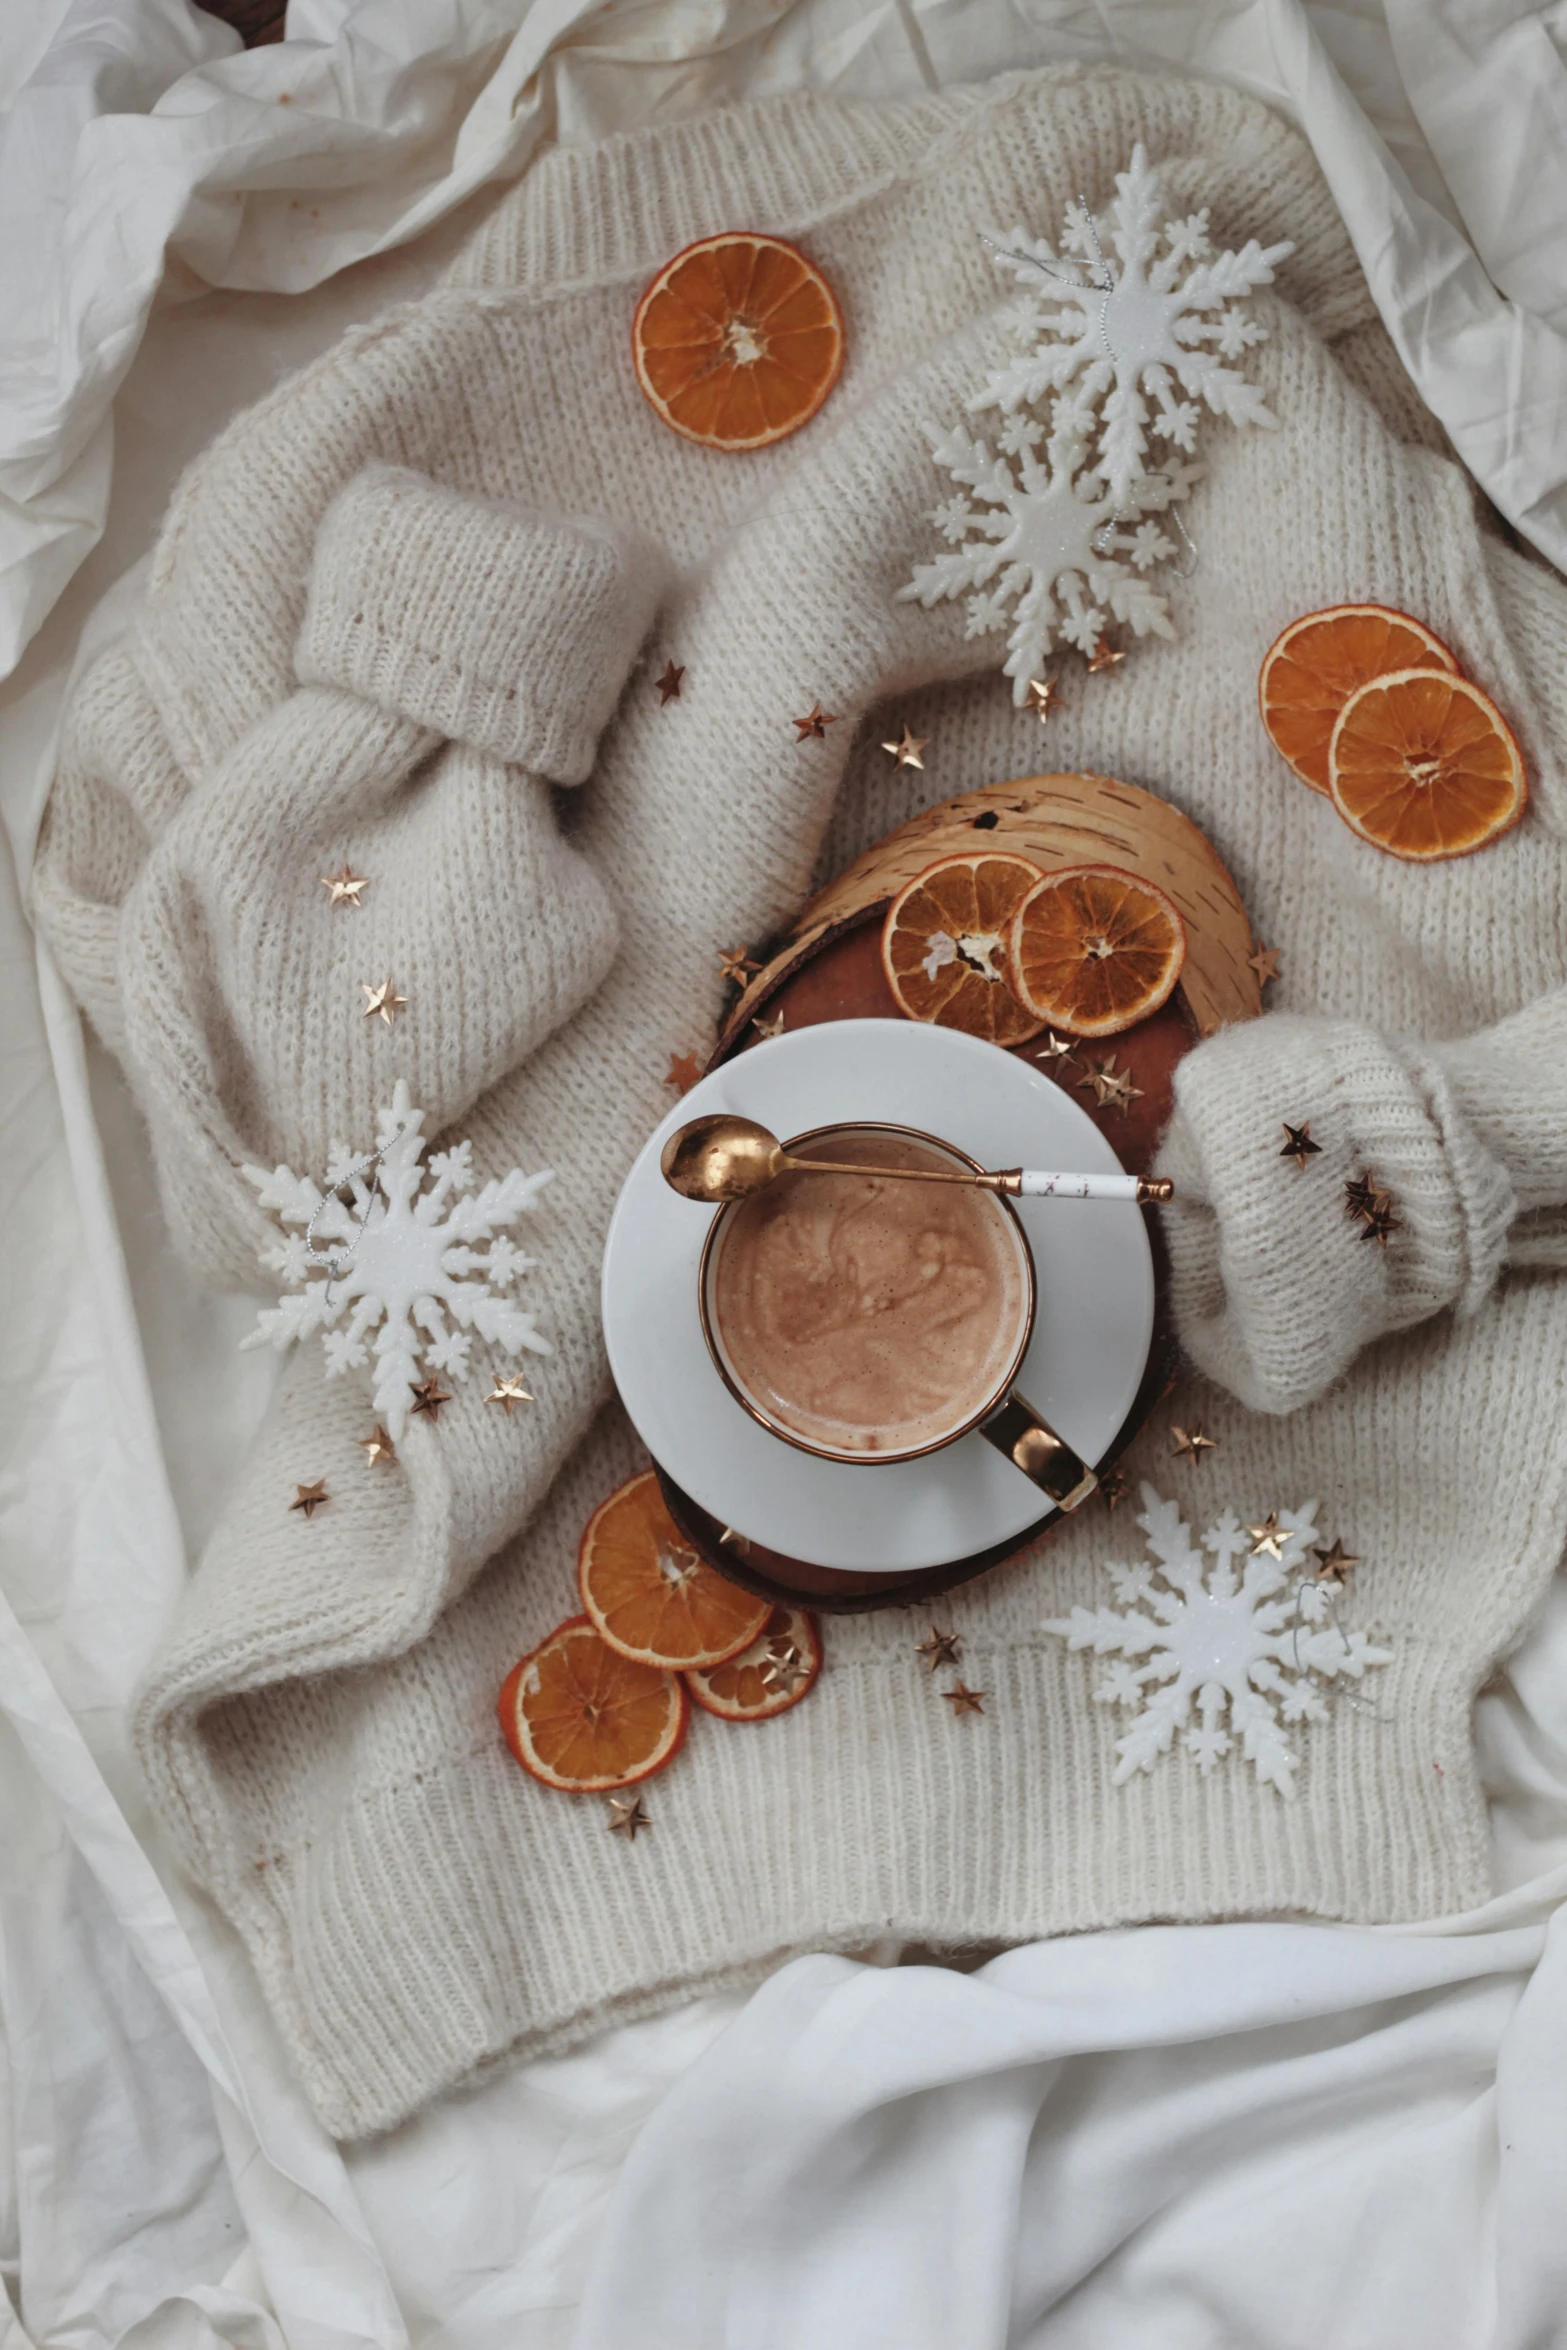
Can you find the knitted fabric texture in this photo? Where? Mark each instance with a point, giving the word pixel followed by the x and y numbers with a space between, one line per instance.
pixel 382 625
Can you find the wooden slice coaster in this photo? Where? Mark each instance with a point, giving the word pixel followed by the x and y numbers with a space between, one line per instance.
pixel 830 968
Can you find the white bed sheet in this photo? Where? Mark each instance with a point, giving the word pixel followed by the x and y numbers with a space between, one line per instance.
pixel 1265 2136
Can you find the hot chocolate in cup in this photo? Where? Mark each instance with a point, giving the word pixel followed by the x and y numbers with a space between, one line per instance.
pixel 870 1320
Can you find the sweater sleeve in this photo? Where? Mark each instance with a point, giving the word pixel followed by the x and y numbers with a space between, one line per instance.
pixel 1277 1282
pixel 456 662
pixel 510 632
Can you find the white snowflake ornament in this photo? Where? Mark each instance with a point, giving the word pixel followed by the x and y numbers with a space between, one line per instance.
pixel 1223 1655
pixel 1163 323
pixel 406 1260
pixel 1041 542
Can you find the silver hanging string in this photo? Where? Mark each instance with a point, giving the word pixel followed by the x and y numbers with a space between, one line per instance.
pixel 1337 1686
pixel 338 1261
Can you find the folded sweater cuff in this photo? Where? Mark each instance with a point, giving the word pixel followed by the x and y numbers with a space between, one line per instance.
pixel 492 627
pixel 1277 1282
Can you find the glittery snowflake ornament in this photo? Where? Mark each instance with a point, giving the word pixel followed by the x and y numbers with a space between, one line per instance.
pixel 1223 1655
pixel 1041 542
pixel 1119 345
pixel 407 1263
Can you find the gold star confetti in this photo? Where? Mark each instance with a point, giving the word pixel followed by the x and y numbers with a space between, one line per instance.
pixel 1114 1486
pixel 1043 695
pixel 814 724
pixel 345 886
pixel 1112 1088
pixel 669 684
pixel 1190 1443
pixel 940 1648
pixel 378 1446
pixel 683 1072
pixel 429 1396
pixel 1268 1539
pixel 1105 655
pixel 772 1027
pixel 907 751
pixel 1333 1565
pixel 1054 1048
pixel 1361 1194
pixel 384 1000
pixel 964 1700
pixel 735 965
pixel 1298 1144
pixel 1380 1221
pixel 310 1498
pixel 630 1817
pixel 1265 962
pixel 731 1539
pixel 508 1391
pixel 784 1669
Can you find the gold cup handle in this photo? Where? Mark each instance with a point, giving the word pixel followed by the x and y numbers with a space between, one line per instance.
pixel 1033 1446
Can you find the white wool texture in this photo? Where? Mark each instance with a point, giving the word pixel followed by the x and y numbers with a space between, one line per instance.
pixel 407 613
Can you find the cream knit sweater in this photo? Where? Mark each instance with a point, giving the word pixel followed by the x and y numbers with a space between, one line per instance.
pixel 380 629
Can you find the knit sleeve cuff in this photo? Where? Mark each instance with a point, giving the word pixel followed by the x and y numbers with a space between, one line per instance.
pixel 490 626
pixel 1281 1270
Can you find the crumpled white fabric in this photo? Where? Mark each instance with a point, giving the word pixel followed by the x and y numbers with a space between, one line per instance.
pixel 1266 2136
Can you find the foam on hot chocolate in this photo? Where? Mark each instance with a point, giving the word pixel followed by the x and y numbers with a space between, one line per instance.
pixel 864 1315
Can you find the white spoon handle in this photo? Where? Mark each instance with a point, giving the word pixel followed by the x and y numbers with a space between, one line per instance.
pixel 1037 1183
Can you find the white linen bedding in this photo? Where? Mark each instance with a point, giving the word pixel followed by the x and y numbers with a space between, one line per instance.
pixel 1260 2135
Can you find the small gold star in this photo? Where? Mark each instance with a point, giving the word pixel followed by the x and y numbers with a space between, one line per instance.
pixel 669 684
pixel 429 1396
pixel 683 1072
pixel 772 1027
pixel 735 965
pixel 907 752
pixel 1268 1539
pixel 508 1391
pixel 784 1669
pixel 1362 1194
pixel 1333 1565
pixel 731 1539
pixel 1112 1088
pixel 1054 1048
pixel 378 1446
pixel 310 1498
pixel 1105 656
pixel 383 999
pixel 1265 962
pixel 814 724
pixel 1190 1443
pixel 1298 1144
pixel 1380 1221
pixel 1114 1486
pixel 1043 695
pixel 345 886
pixel 939 1648
pixel 964 1700
pixel 630 1817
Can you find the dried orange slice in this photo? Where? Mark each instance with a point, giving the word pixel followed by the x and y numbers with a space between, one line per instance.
pixel 738 341
pixel 580 1716
pixel 648 1592
pixel 773 1674
pixel 1424 765
pixel 944 946
pixel 1094 950
pixel 1311 669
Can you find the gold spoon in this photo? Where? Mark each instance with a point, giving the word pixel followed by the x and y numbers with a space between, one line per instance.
pixel 725 1158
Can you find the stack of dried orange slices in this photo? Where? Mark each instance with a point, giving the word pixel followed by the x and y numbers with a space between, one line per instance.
pixel 606 1699
pixel 987 943
pixel 1369 708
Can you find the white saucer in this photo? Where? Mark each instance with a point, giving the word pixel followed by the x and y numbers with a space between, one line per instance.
pixel 1091 1332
